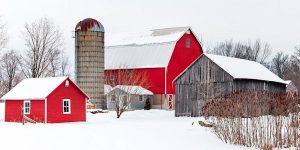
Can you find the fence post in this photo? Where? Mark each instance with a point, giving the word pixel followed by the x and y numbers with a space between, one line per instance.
pixel 23 121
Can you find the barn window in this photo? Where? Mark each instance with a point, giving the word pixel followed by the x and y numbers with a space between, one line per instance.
pixel 112 78
pixel 67 83
pixel 66 106
pixel 26 107
pixel 187 43
pixel 140 97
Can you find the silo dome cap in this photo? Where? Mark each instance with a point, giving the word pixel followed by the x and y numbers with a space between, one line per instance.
pixel 89 24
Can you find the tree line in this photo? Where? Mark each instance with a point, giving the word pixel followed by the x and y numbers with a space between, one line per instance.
pixel 285 66
pixel 43 54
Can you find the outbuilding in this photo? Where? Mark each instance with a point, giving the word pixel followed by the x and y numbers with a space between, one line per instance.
pixel 135 96
pixel 212 76
pixel 49 100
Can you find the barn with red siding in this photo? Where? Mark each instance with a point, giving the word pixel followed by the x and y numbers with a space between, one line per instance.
pixel 49 100
pixel 160 54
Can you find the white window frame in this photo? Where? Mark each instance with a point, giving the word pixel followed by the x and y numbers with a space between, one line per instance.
pixel 63 106
pixel 24 107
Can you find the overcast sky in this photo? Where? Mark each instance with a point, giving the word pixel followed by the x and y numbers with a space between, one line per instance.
pixel 274 21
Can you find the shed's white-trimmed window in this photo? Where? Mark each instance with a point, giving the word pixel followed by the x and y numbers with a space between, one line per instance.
pixel 66 106
pixel 141 98
pixel 27 107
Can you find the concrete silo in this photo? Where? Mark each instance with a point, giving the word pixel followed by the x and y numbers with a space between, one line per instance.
pixel 89 59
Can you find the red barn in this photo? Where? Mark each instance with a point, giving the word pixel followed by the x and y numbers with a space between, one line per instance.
pixel 49 100
pixel 162 54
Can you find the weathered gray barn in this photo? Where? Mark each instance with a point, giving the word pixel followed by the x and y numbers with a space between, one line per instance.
pixel 212 76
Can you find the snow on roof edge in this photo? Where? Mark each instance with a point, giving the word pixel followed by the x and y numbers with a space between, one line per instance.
pixel 284 82
pixel 208 56
pixel 132 89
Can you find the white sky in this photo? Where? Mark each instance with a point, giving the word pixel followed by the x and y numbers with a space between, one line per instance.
pixel 274 21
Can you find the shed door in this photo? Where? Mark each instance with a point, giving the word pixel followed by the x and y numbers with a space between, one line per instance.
pixel 170 101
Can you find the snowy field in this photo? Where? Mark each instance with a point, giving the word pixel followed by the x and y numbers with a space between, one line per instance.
pixel 135 130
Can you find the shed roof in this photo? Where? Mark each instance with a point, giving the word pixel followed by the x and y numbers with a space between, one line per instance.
pixel 147 49
pixel 244 69
pixel 240 68
pixel 138 90
pixel 34 88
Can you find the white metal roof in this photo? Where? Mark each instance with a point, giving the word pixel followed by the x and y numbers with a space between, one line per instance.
pixel 34 88
pixel 147 49
pixel 138 90
pixel 244 69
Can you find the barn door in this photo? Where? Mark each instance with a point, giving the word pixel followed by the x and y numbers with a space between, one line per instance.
pixel 170 98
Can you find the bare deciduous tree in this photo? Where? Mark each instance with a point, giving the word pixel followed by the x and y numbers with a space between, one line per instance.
pixel 280 64
pixel 296 55
pixel 10 70
pixel 128 79
pixel 294 68
pixel 256 51
pixel 44 43
pixel 3 35
pixel 64 65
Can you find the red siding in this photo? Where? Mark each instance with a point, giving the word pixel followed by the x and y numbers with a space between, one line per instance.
pixel 55 104
pixel 181 58
pixel 13 112
pixel 156 77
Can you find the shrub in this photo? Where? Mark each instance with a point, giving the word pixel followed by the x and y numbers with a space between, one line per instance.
pixel 147 105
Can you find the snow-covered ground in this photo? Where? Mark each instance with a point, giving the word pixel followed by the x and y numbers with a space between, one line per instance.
pixel 135 130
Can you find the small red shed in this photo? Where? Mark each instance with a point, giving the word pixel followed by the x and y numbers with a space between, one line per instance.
pixel 49 100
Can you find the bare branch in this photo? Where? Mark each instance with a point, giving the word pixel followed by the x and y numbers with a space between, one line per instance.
pixel 257 51
pixel 44 43
pixel 3 35
pixel 10 70
pixel 128 79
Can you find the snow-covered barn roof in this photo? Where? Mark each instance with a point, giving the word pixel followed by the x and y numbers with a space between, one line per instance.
pixel 34 88
pixel 147 49
pixel 240 68
pixel 138 90
pixel 244 69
